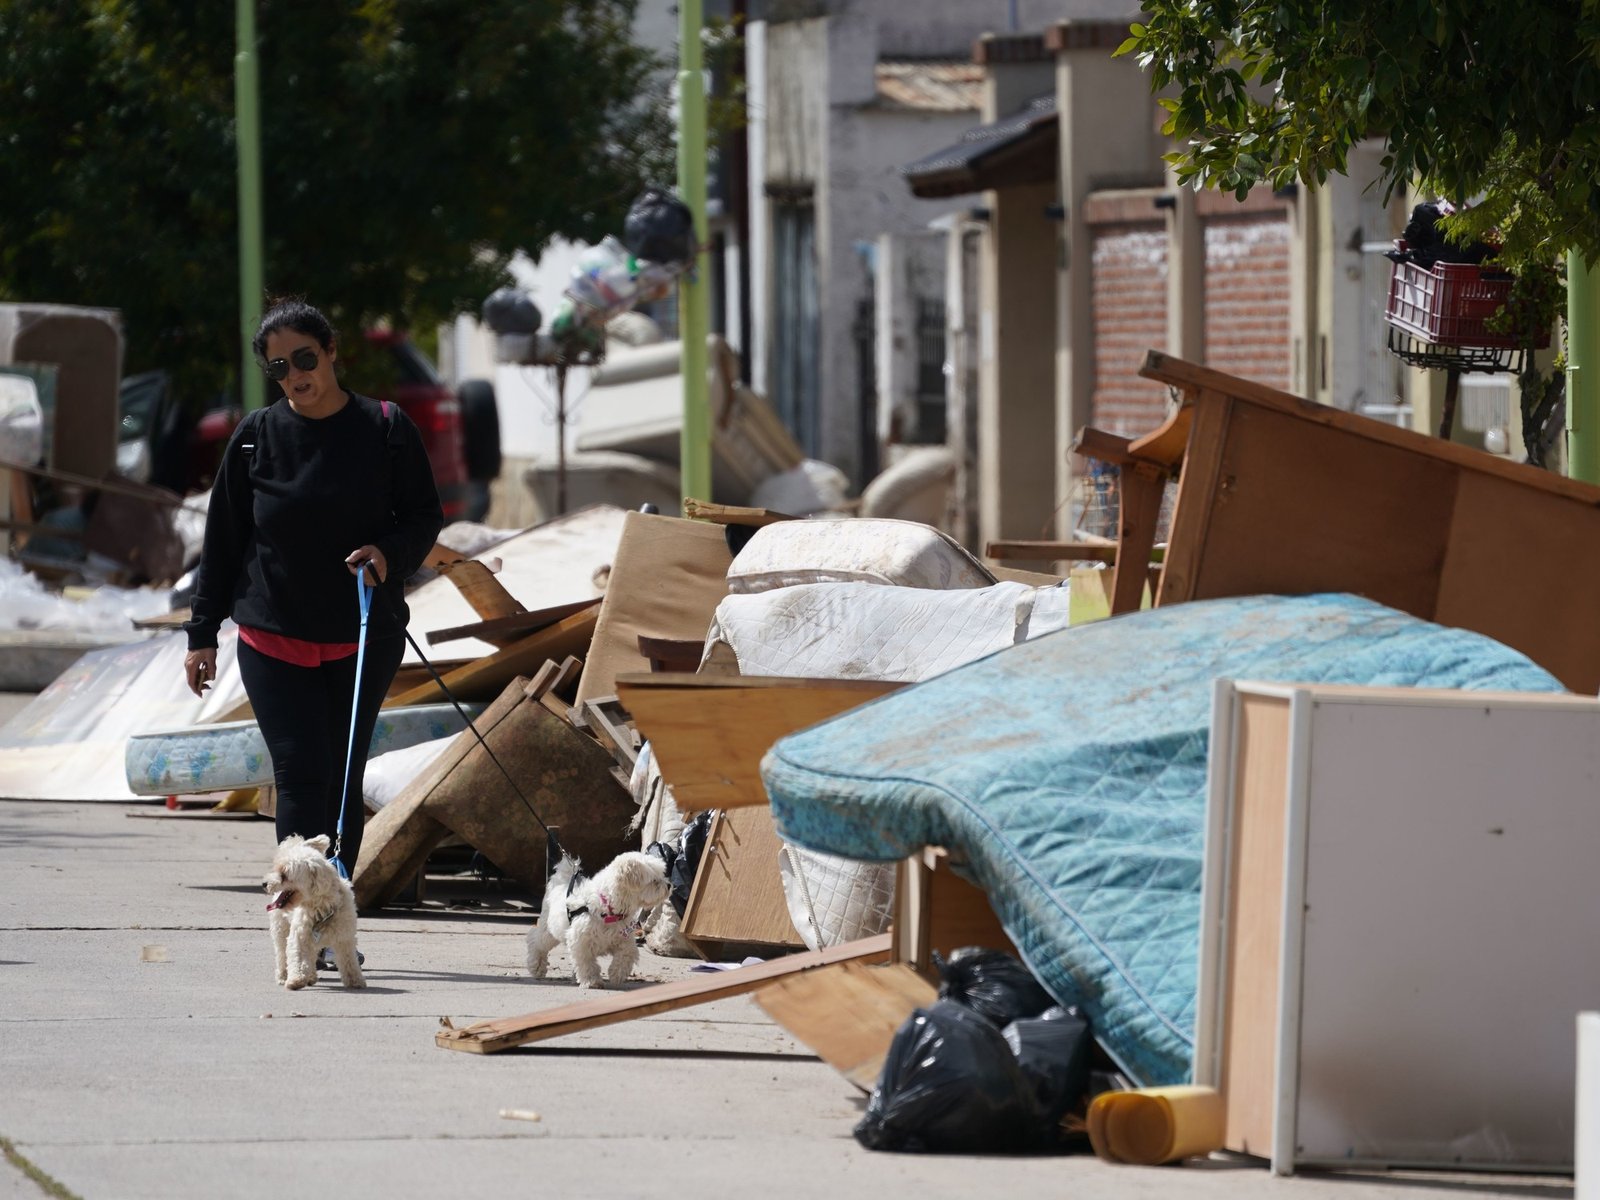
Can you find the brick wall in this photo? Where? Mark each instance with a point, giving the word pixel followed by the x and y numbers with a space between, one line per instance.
pixel 1130 317
pixel 1247 296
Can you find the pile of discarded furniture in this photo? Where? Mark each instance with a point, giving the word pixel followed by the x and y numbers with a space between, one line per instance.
pixel 1262 834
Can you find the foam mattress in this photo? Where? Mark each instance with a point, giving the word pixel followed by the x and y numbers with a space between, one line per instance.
pixel 216 758
pixel 1069 773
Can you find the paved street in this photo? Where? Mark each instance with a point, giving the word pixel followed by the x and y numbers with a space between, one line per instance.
pixel 147 1053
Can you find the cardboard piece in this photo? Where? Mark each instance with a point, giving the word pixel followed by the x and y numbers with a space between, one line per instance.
pixel 666 580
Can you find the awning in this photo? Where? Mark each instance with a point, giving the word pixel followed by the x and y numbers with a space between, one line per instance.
pixel 1021 148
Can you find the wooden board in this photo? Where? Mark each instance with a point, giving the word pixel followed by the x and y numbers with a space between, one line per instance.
pixel 1281 495
pixel 487 1037
pixel 502 631
pixel 487 677
pixel 479 588
pixel 937 910
pixel 709 732
pixel 736 905
pixel 731 514
pixel 1253 923
pixel 848 1013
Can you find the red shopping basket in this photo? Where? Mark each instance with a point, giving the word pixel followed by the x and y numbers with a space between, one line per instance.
pixel 1448 304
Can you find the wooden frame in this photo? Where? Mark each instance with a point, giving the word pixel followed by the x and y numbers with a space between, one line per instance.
pixel 937 910
pixel 1368 994
pixel 709 732
pixel 1279 494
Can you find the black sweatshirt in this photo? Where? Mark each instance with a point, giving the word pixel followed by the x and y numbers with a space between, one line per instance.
pixel 292 499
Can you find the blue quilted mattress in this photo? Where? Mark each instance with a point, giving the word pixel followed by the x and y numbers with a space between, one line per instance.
pixel 1070 774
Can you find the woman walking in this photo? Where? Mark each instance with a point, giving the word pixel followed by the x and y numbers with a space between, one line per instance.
pixel 317 486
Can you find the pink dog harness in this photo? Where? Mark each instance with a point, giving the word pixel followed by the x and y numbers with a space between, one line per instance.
pixel 607 914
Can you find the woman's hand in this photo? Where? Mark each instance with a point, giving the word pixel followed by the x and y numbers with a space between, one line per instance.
pixel 369 556
pixel 200 669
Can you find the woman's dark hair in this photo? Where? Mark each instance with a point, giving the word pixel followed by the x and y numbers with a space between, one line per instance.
pixel 292 313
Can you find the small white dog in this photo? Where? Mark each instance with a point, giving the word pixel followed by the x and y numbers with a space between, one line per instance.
pixel 310 904
pixel 596 916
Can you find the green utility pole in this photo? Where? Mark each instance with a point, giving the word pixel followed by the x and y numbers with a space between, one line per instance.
pixel 1583 369
pixel 694 308
pixel 247 130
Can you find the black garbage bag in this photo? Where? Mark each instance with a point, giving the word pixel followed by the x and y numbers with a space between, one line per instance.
pixel 1052 1051
pixel 511 310
pixel 1426 244
pixel 950 1085
pixel 682 858
pixel 991 983
pixel 659 228
pixel 691 845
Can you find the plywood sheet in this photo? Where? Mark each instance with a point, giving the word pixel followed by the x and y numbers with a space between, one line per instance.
pixel 1302 508
pixel 709 732
pixel 1522 568
pixel 737 900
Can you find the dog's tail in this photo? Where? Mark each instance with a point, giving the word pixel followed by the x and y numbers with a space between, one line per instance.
pixel 561 877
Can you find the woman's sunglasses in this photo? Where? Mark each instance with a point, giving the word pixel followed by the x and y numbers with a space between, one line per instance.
pixel 304 359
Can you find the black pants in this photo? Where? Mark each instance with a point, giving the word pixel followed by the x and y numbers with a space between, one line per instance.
pixel 304 714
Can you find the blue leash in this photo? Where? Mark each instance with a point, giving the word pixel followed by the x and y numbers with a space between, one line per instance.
pixel 364 596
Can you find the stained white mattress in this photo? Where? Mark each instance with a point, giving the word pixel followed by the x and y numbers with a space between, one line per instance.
pixel 868 631
pixel 863 550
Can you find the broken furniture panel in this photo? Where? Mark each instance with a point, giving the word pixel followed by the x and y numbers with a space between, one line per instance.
pixel 937 911
pixel 709 732
pixel 503 631
pixel 1397 925
pixel 737 906
pixel 485 678
pixel 488 1037
pixel 1281 495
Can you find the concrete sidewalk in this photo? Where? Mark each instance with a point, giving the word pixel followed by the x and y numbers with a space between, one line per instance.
pixel 146 1052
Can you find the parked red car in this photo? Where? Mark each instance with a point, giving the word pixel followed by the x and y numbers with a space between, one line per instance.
pixel 385 365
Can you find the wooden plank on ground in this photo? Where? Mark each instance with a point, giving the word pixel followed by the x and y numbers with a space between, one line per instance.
pixel 485 678
pixel 709 732
pixel 848 1013
pixel 502 631
pixel 487 1037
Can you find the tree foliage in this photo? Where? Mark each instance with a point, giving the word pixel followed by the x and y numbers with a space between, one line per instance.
pixel 1498 99
pixel 408 146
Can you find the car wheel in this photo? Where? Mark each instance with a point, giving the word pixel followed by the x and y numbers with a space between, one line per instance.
pixel 480 428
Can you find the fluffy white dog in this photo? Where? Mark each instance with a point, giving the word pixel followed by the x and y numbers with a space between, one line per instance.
pixel 310 904
pixel 596 916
